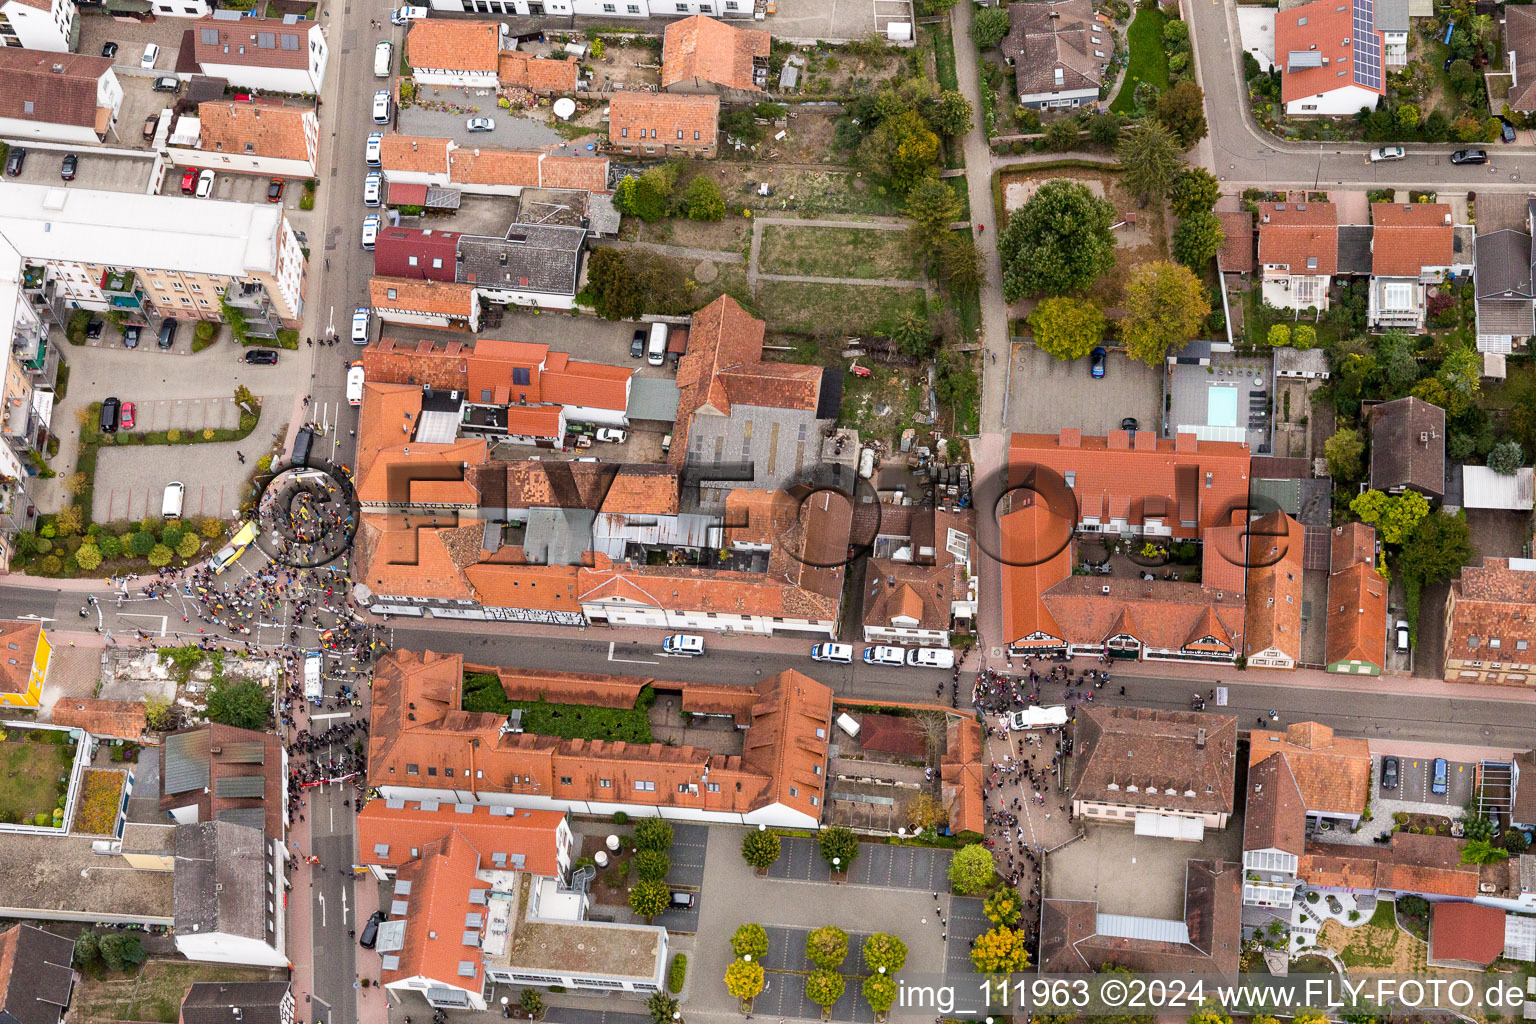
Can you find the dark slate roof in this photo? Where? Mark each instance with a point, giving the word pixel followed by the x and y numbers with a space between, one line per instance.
pixel 219 884
pixel 186 762
pixel 1355 249
pixel 532 257
pixel 1408 446
pixel 214 1002
pixel 1504 265
pixel 35 975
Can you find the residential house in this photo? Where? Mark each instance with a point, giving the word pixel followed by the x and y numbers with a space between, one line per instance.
pixel 31 369
pixel 922 575
pixel 52 25
pixel 1059 51
pixel 569 207
pixel 182 8
pixel 57 97
pixel 643 123
pixel 458 926
pixel 24 670
pixel 1408 447
pixel 244 1002
pixel 459 54
pixel 215 772
pixel 249 138
pixel 1236 253
pixel 286 56
pixel 155 256
pixel 1275 543
pixel 124 720
pixel 1298 253
pixel 1520 49
pixel 1465 936
pixel 424 254
pixel 1490 623
pixel 1330 57
pixel 1410 865
pixel 1392 21
pixel 224 880
pixel 765 419
pixel 488 170
pixel 1331 773
pixel 1506 299
pixel 1075 938
pixel 703 56
pixel 37 977
pixel 1356 642
pixel 1413 247
pixel 1301 363
pixel 1274 834
pixel 391 833
pixel 602 8
pixel 424 747
pixel 1168 773
pixel 542 76
pixel 425 303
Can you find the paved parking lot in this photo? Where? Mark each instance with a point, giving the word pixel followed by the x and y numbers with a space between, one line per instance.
pixel 239 188
pixel 131 36
pixel 1046 394
pixel 785 996
pixel 689 844
pixel 1414 783
pixel 111 337
pixel 892 867
pixel 966 922
pixel 93 170
pixel 130 482
pixel 511 132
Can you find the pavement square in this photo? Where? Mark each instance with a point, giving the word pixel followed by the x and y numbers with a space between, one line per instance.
pixel 966 922
pixel 578 1015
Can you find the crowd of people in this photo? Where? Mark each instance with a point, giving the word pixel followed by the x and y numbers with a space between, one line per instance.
pixel 309 515
pixel 338 753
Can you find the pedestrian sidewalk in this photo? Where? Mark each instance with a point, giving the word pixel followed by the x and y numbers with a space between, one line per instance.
pixel 1313 679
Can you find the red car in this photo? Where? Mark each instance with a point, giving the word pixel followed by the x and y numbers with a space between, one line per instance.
pixel 126 418
pixel 189 181
pixel 275 190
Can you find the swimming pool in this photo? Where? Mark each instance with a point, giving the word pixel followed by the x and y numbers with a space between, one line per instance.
pixel 1221 405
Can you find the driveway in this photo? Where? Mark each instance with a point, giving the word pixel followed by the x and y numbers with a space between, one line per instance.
pixel 131 36
pixel 1046 394
pixel 93 170
pixel 511 132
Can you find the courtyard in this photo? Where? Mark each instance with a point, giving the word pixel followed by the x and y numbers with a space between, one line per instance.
pixel 34 774
pixel 1097 867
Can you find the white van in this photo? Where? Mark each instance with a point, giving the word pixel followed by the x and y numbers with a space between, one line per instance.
pixel 373 189
pixel 381 58
pixel 170 504
pixel 891 656
pixel 842 654
pixel 401 15
pixel 360 326
pixel 370 230
pixel 931 657
pixel 373 151
pixel 355 380
pixel 381 107
pixel 656 348
pixel 688 644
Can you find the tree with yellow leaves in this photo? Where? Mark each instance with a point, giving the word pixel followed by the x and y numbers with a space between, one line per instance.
pixel 1001 951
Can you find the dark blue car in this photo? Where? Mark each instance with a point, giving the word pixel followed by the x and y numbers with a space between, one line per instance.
pixel 1096 362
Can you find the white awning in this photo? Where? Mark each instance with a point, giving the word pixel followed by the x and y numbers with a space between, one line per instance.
pixel 1169 826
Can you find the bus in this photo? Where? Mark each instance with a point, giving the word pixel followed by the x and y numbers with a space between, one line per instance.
pixel 314 689
pixel 231 552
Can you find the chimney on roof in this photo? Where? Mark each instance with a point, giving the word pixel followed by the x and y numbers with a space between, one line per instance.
pixel 1070 437
pixel 1146 440
pixel 1186 443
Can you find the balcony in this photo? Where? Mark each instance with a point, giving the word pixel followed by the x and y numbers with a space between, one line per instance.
pixel 254 305
pixel 121 289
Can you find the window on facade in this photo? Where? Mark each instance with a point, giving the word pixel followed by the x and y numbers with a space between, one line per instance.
pixel 695 136
pixel 645 787
pixel 731 5
pixel 565 780
pixel 679 134
pixel 604 783
pixel 794 790
pixel 623 133
pixel 609 9
pixel 713 787
pixel 412 769
pixel 1495 642
pixel 448 772
pixel 411 260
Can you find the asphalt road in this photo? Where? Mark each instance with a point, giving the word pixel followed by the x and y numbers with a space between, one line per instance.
pixel 1239 153
pixel 332 914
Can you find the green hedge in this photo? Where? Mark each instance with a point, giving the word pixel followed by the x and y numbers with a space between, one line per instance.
pixel 677 973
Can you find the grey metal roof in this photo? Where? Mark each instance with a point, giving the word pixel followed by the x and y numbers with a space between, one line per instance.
pixel 236 787
pixel 1355 249
pixel 532 257
pixel 557 536
pixel 250 817
pixel 216 888
pixel 653 398
pixel 214 1002
pixel 1392 15
pixel 186 762
pixel 37 987
pixel 1123 926
pixel 1286 494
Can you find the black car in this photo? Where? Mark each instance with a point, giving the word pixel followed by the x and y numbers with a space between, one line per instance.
pixel 131 334
pixel 370 934
pixel 167 334
pixel 637 345
pixel 14 162
pixel 110 409
pixel 1130 423
pixel 1506 129
pixel 261 357
pixel 109 49
pixel 1389 773
pixel 682 899
pixel 68 168
pixel 94 328
pixel 1469 156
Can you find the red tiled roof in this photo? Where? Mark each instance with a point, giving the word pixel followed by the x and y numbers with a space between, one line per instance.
pixel 1326 27
pixel 118 719
pixel 535 834
pixel 633 114
pixel 1406 238
pixel 259 129
pixel 1333 774
pixel 534 420
pixel 246 42
pixel 1037 555
pixel 1466 932
pixel 1275 544
pixel 35 91
pixel 437 907
pixel 1492 602
pixel 432 249
pixel 20 640
pixel 1236 254
pixel 1303 237
pixel 1417 864
pixel 1357 616
pixel 700 49
pixel 414 153
pixel 445 45
pixel 538 74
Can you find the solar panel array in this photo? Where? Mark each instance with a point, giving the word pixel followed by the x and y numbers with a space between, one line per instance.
pixel 1367 45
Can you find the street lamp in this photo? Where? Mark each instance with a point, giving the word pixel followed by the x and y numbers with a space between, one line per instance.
pixel 837 863
pixel 506 1010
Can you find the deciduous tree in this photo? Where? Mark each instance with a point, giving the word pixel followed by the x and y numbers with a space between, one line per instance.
pixel 652 865
pixel 989 25
pixel 750 940
pixel 1061 135
pixel 1182 110
pixel 1440 545
pixel 1058 242
pixel 649 898
pixel 653 834
pixel 1003 906
pixel 824 987
pixel 702 199
pixel 241 703
pixel 827 946
pixel 952 114
pixel 1343 451
pixel 1001 951
pixel 971 870
pixel 1105 128
pixel 838 843
pixel 879 992
pixel 744 979
pixel 760 849
pixel 884 950
pixel 1165 306
pixel 1394 516
pixel 1066 327
pixel 933 207
pixel 1193 190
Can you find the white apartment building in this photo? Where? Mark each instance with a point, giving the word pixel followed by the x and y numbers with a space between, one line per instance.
pixel 39 24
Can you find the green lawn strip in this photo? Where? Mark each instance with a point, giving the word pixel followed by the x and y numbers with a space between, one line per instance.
pixel 483 693
pixel 944 57
pixel 849 308
pixel 1149 61
pixel 867 254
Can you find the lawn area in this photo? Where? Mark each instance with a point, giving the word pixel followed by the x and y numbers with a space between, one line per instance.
pixel 34 776
pixel 1378 945
pixel 1149 61
pixel 154 993
pixel 944 56
pixel 836 309
pixel 838 252
pixel 962 193
pixel 483 692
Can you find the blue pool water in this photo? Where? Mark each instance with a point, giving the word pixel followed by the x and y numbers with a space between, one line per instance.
pixel 1221 406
